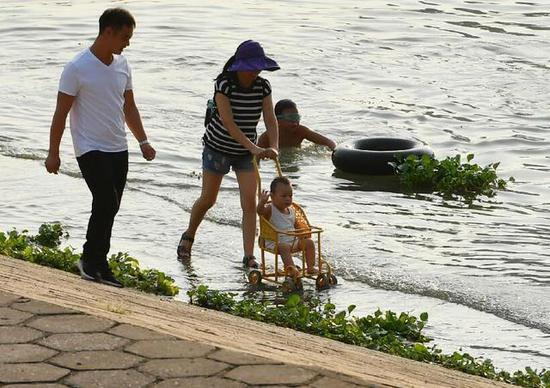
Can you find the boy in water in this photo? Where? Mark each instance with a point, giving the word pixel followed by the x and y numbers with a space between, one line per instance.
pixel 291 133
pixel 282 216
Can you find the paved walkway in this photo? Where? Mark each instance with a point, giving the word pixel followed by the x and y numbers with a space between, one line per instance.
pixel 56 346
pixel 58 330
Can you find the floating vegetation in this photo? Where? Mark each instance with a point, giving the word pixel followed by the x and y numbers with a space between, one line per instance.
pixel 44 249
pixel 396 334
pixel 449 177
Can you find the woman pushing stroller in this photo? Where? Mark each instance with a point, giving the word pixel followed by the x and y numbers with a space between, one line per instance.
pixel 241 97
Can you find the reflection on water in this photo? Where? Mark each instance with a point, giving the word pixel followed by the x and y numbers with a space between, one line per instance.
pixel 348 181
pixel 464 78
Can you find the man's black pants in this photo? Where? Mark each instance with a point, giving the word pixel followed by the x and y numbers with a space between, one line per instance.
pixel 105 174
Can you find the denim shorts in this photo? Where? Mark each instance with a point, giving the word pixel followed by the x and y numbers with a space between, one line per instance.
pixel 219 162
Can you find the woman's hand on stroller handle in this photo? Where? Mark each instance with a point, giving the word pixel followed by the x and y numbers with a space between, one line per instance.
pixel 268 153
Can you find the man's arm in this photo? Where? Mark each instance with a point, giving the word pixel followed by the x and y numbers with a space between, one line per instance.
pixel 62 108
pixel 317 138
pixel 133 120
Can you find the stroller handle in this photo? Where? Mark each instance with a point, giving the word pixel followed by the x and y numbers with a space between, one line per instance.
pixel 258 177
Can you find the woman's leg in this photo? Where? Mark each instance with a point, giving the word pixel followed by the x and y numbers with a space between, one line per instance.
pixel 247 188
pixel 210 186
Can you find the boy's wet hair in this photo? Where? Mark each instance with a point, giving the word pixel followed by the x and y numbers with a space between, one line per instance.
pixel 116 18
pixel 281 105
pixel 280 180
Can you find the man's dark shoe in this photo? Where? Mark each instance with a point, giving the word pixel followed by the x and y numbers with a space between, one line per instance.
pixel 88 271
pixel 107 277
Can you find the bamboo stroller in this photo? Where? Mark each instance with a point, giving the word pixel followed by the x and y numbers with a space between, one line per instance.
pixel 324 279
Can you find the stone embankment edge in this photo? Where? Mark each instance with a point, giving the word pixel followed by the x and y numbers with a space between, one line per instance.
pixel 193 323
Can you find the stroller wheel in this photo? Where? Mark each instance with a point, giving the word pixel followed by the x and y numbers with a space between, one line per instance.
pixel 322 282
pixel 332 280
pixel 254 277
pixel 290 285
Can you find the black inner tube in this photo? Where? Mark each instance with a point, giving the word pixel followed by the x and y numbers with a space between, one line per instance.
pixel 384 144
pixel 372 156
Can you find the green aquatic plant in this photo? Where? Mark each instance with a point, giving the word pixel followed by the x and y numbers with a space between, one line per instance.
pixel 50 235
pixel 21 245
pixel 45 249
pixel 449 177
pixel 397 334
pixel 127 270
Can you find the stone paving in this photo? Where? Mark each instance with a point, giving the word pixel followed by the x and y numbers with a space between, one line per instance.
pixel 45 345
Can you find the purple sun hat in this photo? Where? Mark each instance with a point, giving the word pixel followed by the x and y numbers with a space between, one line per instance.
pixel 250 56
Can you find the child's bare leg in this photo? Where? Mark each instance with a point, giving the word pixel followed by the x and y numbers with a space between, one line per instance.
pixel 286 255
pixel 310 256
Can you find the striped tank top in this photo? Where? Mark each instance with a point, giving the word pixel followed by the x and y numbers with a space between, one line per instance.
pixel 246 106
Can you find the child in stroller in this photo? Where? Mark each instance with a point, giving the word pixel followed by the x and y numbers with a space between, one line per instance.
pixel 282 215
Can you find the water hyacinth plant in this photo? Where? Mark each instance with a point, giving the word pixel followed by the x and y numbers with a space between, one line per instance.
pixel 449 177
pixel 44 249
pixel 397 334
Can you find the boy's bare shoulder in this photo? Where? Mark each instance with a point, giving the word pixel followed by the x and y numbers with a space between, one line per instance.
pixel 303 131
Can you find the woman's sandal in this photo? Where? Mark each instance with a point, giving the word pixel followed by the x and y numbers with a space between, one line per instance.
pixel 184 253
pixel 249 262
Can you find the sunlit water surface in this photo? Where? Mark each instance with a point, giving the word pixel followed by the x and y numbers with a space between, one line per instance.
pixel 463 77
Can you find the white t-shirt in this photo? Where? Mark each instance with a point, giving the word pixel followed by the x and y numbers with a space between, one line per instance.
pixel 284 222
pixel 97 114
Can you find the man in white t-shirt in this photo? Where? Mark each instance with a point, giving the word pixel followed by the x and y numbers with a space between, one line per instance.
pixel 96 87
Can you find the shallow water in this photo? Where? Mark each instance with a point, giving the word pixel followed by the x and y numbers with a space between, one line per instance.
pixel 461 76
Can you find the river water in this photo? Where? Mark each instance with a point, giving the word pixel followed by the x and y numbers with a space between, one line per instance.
pixel 461 76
